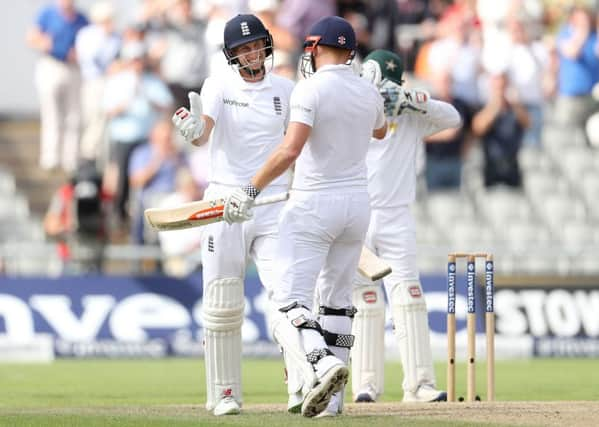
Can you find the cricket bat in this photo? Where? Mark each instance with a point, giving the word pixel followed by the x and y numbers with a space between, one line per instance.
pixel 204 212
pixel 372 266
pixel 198 213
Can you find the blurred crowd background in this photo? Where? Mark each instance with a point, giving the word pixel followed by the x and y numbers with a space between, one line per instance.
pixel 520 178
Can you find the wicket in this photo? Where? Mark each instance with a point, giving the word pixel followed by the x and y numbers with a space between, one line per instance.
pixel 470 324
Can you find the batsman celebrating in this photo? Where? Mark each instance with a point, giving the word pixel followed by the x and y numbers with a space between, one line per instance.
pixel 412 116
pixel 334 114
pixel 245 112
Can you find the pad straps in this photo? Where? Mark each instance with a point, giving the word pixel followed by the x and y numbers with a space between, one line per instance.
pixel 334 339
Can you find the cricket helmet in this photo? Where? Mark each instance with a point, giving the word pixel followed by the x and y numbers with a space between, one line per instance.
pixel 243 29
pixel 332 31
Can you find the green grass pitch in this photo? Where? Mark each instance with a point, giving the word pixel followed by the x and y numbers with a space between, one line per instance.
pixel 171 392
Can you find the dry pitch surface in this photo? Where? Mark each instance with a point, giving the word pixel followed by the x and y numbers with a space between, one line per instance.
pixel 507 413
pixel 575 413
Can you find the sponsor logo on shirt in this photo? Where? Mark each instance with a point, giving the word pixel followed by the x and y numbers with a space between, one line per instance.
pixel 235 103
pixel 301 107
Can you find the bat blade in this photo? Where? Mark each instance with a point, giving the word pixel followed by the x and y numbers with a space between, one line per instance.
pixel 372 266
pixel 198 213
pixel 188 215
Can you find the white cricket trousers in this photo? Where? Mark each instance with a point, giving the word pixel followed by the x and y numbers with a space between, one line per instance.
pixel 320 239
pixel 392 236
pixel 58 85
pixel 93 135
pixel 227 248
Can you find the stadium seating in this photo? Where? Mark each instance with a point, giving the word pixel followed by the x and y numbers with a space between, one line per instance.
pixel 549 226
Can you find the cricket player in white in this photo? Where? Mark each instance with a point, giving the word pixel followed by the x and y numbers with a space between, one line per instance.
pixel 244 113
pixel 412 116
pixel 334 114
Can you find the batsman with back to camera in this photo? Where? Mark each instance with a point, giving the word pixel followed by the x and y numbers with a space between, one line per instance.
pixel 244 113
pixel 334 114
pixel 412 116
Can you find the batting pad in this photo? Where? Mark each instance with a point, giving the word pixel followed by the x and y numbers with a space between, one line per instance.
pixel 410 318
pixel 301 375
pixel 338 337
pixel 368 352
pixel 222 316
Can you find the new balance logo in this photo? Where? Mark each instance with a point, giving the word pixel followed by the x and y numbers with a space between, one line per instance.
pixel 277 103
pixel 245 29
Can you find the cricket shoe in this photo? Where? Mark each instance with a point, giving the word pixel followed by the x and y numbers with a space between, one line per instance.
pixel 366 394
pixel 335 406
pixel 227 405
pixel 333 380
pixel 425 393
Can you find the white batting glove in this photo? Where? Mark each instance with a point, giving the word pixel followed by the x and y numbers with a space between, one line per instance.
pixel 238 205
pixel 190 124
pixel 393 97
pixel 413 101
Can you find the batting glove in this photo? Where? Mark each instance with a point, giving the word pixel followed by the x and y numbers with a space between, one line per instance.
pixel 238 205
pixel 413 101
pixel 190 123
pixel 392 97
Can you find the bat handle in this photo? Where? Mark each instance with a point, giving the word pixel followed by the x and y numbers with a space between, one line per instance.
pixel 266 200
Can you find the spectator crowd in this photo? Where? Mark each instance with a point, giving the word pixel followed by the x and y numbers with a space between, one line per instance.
pixel 107 88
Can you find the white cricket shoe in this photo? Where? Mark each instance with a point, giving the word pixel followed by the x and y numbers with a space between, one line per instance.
pixel 227 405
pixel 334 408
pixel 294 403
pixel 333 380
pixel 366 394
pixel 425 393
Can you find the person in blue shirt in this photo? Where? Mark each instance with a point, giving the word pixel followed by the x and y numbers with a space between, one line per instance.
pixel 578 68
pixel 134 99
pixel 58 83
pixel 153 169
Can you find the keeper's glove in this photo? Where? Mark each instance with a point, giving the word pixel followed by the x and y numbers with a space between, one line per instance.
pixel 190 124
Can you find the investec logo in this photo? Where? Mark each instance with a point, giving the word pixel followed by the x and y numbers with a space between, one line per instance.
pixel 470 287
pixel 451 274
pixel 235 103
pixel 489 287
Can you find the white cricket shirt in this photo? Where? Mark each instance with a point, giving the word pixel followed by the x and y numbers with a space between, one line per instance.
pixel 392 161
pixel 249 122
pixel 343 109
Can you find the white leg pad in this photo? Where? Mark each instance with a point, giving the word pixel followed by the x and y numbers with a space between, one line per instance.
pixel 410 318
pixel 301 375
pixel 222 317
pixel 368 352
pixel 341 325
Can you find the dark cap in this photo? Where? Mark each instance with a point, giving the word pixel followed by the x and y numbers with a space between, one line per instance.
pixel 333 31
pixel 243 29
